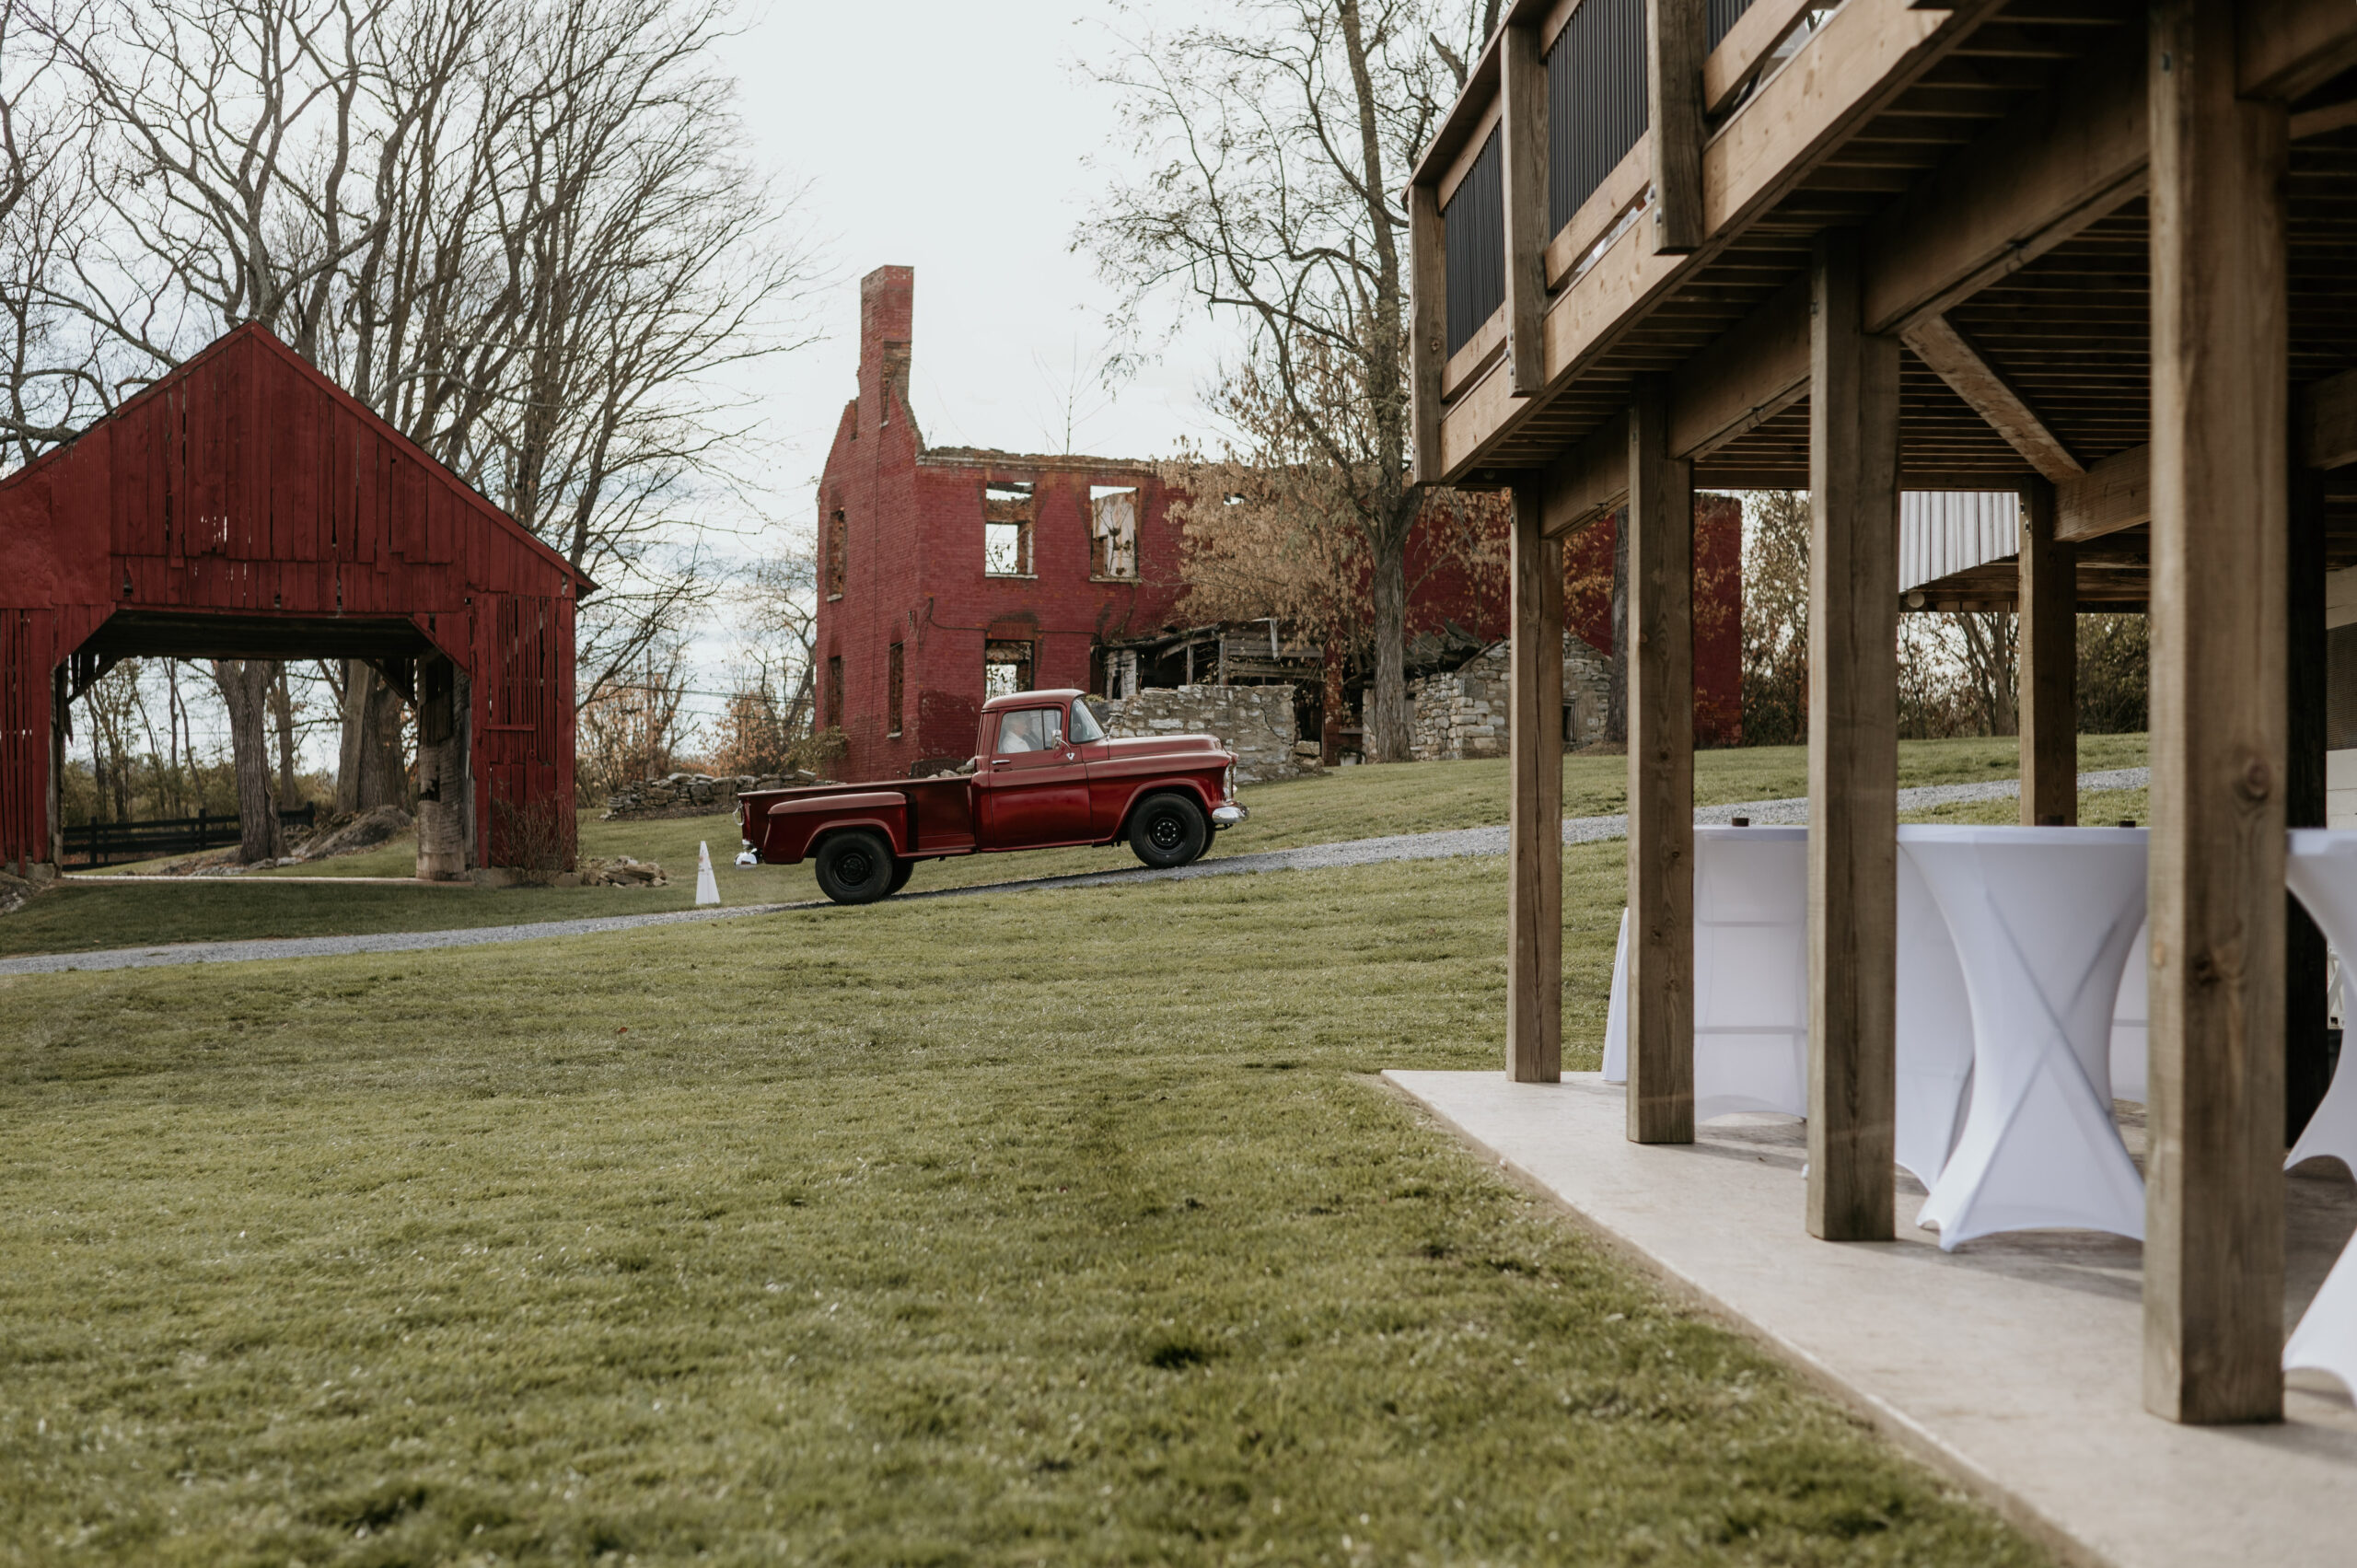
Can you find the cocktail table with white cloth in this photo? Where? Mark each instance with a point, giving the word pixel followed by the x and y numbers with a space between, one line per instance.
pixel 2322 870
pixel 2043 919
pixel 1751 994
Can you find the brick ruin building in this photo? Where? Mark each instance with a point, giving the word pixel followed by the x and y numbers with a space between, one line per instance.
pixel 947 575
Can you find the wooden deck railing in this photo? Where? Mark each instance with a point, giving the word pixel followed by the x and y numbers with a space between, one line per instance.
pixel 1581 117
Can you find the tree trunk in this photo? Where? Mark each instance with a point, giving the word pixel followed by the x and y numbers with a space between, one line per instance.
pixel 245 690
pixel 281 708
pixel 1331 710
pixel 368 773
pixel 1615 690
pixel 1386 715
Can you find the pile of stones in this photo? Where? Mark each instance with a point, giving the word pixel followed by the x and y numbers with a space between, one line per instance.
pixel 691 795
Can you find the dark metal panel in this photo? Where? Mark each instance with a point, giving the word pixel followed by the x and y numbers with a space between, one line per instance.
pixel 1721 16
pixel 1596 100
pixel 1474 227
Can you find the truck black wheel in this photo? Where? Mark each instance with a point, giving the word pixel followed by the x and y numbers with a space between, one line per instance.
pixel 1167 831
pixel 855 867
pixel 901 871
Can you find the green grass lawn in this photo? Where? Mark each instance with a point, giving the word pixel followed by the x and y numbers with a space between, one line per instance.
pixel 1063 1226
pixel 1347 803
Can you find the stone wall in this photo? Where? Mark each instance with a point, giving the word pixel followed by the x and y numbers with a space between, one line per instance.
pixel 1465 712
pixel 1254 722
pixel 691 795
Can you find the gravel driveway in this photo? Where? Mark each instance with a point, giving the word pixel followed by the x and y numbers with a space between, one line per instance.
pixel 1312 857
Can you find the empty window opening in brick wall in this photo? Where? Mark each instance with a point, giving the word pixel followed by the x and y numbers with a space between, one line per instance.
pixel 893 671
pixel 1112 530
pixel 1006 668
pixel 838 547
pixel 1006 529
pixel 835 690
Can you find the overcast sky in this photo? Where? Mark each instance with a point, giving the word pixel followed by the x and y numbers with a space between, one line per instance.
pixel 952 138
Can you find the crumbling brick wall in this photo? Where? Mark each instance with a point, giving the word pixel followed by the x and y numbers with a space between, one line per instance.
pixel 1254 722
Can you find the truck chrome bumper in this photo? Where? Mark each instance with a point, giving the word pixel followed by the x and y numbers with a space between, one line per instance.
pixel 1229 816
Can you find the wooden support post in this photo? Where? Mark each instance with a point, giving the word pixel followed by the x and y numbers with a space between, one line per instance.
pixel 1523 140
pixel 1427 326
pixel 2213 1243
pixel 1852 755
pixel 2048 704
pixel 1660 665
pixel 1534 896
pixel 2307 1065
pixel 1675 32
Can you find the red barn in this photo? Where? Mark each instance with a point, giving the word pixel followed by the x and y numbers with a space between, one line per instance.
pixel 245 507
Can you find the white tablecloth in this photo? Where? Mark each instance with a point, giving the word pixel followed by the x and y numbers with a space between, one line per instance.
pixel 2043 919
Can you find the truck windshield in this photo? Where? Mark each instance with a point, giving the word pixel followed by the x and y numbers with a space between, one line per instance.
pixel 1084 727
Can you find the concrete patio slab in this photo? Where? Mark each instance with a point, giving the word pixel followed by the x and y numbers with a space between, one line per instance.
pixel 2014 1363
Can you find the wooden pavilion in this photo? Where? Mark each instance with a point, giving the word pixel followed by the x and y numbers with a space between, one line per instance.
pixel 246 506
pixel 2095 251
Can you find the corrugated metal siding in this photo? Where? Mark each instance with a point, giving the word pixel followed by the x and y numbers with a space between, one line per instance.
pixel 1722 15
pixel 1942 532
pixel 1474 223
pixel 1596 100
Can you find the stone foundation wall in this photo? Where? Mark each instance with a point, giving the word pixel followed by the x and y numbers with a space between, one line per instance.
pixel 691 795
pixel 1465 712
pixel 1254 722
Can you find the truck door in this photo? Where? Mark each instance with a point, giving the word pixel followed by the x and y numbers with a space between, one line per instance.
pixel 1034 786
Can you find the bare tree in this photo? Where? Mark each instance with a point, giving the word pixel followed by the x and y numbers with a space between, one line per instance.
pixel 520 230
pixel 1273 142
pixel 1775 617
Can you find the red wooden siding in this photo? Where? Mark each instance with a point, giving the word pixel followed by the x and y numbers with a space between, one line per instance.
pixel 248 484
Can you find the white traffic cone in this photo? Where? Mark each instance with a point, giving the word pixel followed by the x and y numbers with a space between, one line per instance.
pixel 707 890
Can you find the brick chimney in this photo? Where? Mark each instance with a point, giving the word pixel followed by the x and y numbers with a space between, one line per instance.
pixel 886 308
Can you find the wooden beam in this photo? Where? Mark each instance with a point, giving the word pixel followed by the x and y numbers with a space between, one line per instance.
pixel 2021 188
pixel 1852 755
pixel 1588 481
pixel 2048 681
pixel 1535 895
pixel 1751 373
pixel 1674 33
pixel 2330 117
pixel 1621 189
pixel 1471 361
pixel 1660 664
pixel 1867 54
pixel 1427 327
pixel 2114 494
pixel 2307 1044
pixel 1743 54
pixel 2213 1243
pixel 1952 359
pixel 2287 49
pixel 1524 147
pixel 2327 423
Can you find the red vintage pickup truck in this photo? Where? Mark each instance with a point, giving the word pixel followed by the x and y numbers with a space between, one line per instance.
pixel 1044 774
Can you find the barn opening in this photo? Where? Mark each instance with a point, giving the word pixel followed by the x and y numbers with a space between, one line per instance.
pixel 246 507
